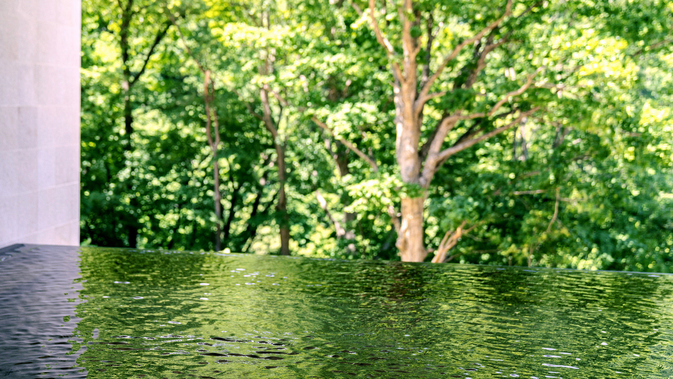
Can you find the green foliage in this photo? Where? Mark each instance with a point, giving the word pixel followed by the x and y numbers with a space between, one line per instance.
pixel 586 183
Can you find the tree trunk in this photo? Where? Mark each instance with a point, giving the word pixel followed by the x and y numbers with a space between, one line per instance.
pixel 132 223
pixel 249 230
pixel 341 161
pixel 128 114
pixel 212 122
pixel 217 199
pixel 411 233
pixel 410 98
pixel 127 13
pixel 272 126
pixel 133 232
pixel 281 207
pixel 410 236
pixel 231 215
pixel 284 222
pixel 252 229
pixel 212 127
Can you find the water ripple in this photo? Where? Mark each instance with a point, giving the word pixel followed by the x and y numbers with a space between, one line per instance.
pixel 72 312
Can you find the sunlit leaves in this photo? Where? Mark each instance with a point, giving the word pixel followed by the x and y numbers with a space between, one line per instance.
pixel 603 136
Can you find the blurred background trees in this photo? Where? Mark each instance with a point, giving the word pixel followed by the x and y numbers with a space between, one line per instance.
pixel 304 96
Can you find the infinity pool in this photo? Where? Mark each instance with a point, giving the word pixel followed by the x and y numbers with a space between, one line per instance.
pixel 115 313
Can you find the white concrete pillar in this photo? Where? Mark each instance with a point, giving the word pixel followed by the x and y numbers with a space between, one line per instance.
pixel 39 121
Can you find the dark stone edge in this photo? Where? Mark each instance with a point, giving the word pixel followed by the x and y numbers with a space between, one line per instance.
pixel 11 248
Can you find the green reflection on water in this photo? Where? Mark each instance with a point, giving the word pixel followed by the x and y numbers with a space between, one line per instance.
pixel 178 314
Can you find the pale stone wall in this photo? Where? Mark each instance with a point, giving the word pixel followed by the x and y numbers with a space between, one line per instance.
pixel 39 121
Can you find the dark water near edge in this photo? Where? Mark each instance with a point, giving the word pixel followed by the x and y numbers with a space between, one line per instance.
pixel 113 313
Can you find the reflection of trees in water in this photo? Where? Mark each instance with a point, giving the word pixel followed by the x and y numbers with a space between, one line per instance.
pixel 364 309
pixel 239 330
pixel 491 319
pixel 127 293
pixel 327 318
pixel 392 318
pixel 531 321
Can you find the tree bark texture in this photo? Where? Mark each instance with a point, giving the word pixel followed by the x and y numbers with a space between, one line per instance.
pixel 410 236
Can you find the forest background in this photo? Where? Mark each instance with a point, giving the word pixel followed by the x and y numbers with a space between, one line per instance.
pixel 534 133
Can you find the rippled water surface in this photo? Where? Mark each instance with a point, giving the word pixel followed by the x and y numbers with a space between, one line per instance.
pixel 113 313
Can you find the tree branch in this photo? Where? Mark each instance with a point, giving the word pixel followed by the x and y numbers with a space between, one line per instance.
pixel 530 8
pixel 435 158
pixel 357 8
pixel 394 218
pixel 425 149
pixel 481 61
pixel 382 40
pixel 184 42
pixel 212 122
pixel 555 216
pixel 250 110
pixel 449 241
pixel 428 50
pixel 252 230
pixel 348 144
pixel 269 122
pixel 531 192
pixel 473 141
pixel 470 131
pixel 453 54
pixel 324 126
pixel 652 47
pixel 480 55
pixel 410 44
pixel 509 95
pixel 340 231
pixel 422 100
pixel 156 42
pixel 448 122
